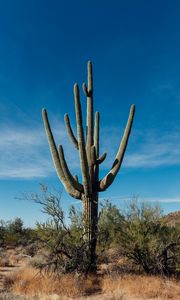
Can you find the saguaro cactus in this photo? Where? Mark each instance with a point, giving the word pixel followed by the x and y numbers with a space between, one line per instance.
pixel 88 147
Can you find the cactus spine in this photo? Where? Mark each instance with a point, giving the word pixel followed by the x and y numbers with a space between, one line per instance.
pixel 88 148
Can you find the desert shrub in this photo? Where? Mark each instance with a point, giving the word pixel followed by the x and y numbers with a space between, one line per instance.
pixel 32 248
pixel 148 241
pixel 13 233
pixel 140 233
pixel 2 232
pixel 65 244
pixel 66 249
pixel 12 239
pixel 16 226
pixel 110 220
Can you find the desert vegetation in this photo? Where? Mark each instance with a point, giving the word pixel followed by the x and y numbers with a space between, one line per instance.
pixel 138 253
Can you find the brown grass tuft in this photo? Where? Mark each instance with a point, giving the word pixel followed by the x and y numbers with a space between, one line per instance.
pixel 29 281
pixel 146 287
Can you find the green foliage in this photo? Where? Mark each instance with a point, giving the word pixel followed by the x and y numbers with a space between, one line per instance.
pixel 12 233
pixel 148 241
pixel 66 246
pixel 16 226
pixel 141 233
pixel 110 220
pixel 2 232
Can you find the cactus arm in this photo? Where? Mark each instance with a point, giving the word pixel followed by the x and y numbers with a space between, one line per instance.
pixel 89 120
pixel 81 142
pixel 55 158
pixel 101 158
pixel 109 178
pixel 90 78
pixel 75 184
pixel 70 131
pixel 94 160
pixel 85 90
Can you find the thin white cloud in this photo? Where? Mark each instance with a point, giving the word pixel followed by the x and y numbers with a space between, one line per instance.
pixel 24 151
pixel 145 149
pixel 146 199
pixel 163 200
pixel 154 151
pixel 164 87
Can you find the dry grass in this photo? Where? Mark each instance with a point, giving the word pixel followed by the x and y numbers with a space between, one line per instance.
pixel 146 287
pixel 10 296
pixel 8 258
pixel 30 283
pixel 4 262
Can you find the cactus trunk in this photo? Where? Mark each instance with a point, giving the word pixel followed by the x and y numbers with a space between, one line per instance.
pixel 90 210
pixel 88 147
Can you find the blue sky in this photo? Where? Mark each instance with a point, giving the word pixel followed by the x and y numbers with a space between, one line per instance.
pixel 135 50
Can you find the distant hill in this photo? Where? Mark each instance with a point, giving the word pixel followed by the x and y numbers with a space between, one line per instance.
pixel 173 219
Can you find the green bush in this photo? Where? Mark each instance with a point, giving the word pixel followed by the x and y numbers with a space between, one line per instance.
pixel 140 233
pixel 13 233
pixel 110 220
pixel 2 232
pixel 65 244
pixel 148 242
